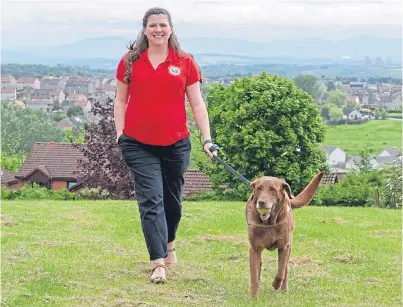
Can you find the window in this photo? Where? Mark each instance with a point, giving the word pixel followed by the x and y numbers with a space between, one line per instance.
pixel 71 184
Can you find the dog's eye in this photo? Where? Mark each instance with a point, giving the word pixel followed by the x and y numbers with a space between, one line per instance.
pixel 259 188
pixel 272 188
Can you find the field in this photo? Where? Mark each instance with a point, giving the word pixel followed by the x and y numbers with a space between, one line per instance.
pixel 92 253
pixel 380 134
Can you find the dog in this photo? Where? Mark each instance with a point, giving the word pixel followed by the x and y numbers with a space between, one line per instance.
pixel 271 224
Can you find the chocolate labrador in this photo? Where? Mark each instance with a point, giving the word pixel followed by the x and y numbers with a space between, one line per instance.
pixel 271 224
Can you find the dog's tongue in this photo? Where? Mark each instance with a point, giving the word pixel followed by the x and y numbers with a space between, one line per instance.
pixel 264 217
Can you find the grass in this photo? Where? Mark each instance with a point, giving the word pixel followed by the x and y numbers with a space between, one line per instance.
pixel 396 115
pixel 92 253
pixel 380 134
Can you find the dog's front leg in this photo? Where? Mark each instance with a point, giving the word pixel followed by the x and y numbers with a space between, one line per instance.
pixel 255 267
pixel 283 255
pixel 284 286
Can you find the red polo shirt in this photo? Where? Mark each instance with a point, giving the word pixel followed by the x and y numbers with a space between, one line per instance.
pixel 156 112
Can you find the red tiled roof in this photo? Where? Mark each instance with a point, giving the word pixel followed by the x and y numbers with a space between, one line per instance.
pixel 26 79
pixel 8 90
pixel 74 78
pixel 59 160
pixel 196 181
pixel 6 78
pixel 7 177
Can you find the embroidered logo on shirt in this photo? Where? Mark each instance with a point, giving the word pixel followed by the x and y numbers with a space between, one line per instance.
pixel 173 70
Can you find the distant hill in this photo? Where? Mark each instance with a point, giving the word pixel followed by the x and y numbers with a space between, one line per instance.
pixel 105 52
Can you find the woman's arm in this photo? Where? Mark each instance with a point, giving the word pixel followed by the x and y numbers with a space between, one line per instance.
pixel 200 113
pixel 122 96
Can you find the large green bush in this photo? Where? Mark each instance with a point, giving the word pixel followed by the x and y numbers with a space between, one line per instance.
pixel 265 126
pixel 356 189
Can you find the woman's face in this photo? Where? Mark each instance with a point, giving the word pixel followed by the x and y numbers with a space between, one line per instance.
pixel 158 30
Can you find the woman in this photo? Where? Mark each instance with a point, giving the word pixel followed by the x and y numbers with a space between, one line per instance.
pixel 151 128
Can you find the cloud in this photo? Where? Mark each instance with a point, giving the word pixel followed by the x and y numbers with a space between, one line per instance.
pixel 49 21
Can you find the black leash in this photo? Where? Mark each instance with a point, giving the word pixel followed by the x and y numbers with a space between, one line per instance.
pixel 215 147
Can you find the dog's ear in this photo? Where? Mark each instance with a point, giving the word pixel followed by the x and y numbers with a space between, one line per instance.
pixel 287 189
pixel 253 184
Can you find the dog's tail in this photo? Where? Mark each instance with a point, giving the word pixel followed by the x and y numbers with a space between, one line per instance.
pixel 306 196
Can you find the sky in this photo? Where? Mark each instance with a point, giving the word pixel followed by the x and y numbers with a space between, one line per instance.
pixel 57 22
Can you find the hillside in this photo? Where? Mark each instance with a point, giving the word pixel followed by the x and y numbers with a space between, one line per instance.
pixel 380 134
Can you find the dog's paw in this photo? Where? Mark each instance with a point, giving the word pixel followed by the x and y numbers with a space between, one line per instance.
pixel 277 282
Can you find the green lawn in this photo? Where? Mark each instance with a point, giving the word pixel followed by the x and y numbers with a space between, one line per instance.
pixel 352 138
pixel 92 253
pixel 399 115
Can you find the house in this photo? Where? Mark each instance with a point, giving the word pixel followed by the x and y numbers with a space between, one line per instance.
pixel 354 162
pixel 52 165
pixel 74 122
pixel 9 93
pixel 353 97
pixel 8 81
pixel 79 85
pixel 75 99
pixel 51 83
pixel 351 113
pixel 333 177
pixel 385 160
pixel 9 181
pixel 109 81
pixel 44 99
pixel 195 181
pixel 393 105
pixel 390 152
pixel 335 156
pixel 32 82
pixel 55 95
pixel 357 86
pixel 85 104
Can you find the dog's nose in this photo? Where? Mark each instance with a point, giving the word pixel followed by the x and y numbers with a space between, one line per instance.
pixel 261 203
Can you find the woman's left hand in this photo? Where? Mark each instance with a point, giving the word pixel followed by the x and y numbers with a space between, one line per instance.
pixel 206 148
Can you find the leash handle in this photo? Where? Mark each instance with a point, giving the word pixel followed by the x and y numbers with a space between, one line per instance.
pixel 214 147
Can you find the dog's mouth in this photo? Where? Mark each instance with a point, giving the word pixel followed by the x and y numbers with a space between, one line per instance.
pixel 264 213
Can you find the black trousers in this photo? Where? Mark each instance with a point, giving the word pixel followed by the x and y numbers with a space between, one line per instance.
pixel 158 180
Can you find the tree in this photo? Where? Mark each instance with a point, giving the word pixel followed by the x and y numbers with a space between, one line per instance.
pixel 324 111
pixel 392 192
pixel 103 166
pixel 330 86
pixel 378 113
pixel 338 98
pixel 308 84
pixel 74 135
pixel 366 154
pixel 57 117
pixel 352 104
pixel 12 162
pixel 335 114
pixel 384 114
pixel 75 111
pixel 265 126
pixel 21 128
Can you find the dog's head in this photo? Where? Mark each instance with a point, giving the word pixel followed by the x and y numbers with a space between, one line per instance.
pixel 269 194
